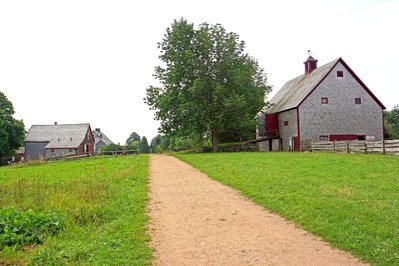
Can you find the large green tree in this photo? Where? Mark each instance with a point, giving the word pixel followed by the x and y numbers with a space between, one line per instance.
pixel 391 123
pixel 155 145
pixel 12 131
pixel 133 141
pixel 144 147
pixel 209 86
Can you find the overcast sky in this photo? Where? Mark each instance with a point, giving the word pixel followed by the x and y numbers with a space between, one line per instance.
pixel 91 61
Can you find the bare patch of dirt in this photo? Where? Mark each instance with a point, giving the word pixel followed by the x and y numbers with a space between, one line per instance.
pixel 198 221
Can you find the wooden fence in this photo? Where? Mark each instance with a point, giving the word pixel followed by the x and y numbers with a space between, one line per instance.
pixel 118 152
pixel 382 146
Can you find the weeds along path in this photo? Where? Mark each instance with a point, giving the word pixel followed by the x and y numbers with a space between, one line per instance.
pixel 198 221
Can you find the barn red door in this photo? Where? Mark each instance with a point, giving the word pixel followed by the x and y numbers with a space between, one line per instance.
pixel 271 124
pixel 343 137
pixel 297 144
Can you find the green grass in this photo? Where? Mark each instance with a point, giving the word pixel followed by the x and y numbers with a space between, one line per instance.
pixel 103 200
pixel 350 200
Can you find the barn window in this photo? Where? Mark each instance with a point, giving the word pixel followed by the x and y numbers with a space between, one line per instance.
pixel 285 123
pixel 324 100
pixel 323 137
pixel 340 74
pixel 358 100
pixel 52 150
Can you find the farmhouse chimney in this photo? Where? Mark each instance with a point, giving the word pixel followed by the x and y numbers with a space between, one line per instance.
pixel 55 123
pixel 98 130
pixel 310 65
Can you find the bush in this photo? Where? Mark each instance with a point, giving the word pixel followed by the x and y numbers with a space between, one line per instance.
pixel 18 228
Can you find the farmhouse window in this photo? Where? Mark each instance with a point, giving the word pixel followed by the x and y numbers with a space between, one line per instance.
pixel 285 123
pixel 324 100
pixel 358 100
pixel 340 74
pixel 52 150
pixel 323 137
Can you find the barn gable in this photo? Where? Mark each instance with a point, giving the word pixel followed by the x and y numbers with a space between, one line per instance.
pixel 295 91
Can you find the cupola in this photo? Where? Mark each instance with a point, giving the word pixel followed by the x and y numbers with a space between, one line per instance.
pixel 310 65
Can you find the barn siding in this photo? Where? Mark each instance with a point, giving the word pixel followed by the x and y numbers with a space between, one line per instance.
pixel 33 150
pixel 59 153
pixel 341 115
pixel 99 145
pixel 289 131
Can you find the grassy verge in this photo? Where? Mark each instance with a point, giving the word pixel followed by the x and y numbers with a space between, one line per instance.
pixel 351 201
pixel 103 200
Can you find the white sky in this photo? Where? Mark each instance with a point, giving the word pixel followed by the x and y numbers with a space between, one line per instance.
pixel 91 61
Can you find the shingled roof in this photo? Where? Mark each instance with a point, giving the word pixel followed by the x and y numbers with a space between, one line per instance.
pixel 295 91
pixel 58 136
pixel 100 136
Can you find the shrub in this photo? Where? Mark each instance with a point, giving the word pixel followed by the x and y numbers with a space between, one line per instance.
pixel 21 228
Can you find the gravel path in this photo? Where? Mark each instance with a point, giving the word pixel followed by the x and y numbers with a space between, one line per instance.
pixel 198 221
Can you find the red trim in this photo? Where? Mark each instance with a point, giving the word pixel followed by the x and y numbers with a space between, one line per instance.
pixel 298 128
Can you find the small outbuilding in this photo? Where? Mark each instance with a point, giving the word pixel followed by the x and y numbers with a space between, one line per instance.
pixel 56 141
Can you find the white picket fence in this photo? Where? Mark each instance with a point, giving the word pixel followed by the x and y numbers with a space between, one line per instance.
pixel 357 146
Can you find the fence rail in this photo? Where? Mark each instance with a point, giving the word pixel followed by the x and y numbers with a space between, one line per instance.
pixel 381 146
pixel 117 152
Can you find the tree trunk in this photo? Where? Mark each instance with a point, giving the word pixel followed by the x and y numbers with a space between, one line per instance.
pixel 200 143
pixel 214 140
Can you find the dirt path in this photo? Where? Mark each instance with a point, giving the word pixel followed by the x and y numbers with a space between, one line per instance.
pixel 198 221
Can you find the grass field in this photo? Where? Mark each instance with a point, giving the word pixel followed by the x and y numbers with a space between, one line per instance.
pixel 351 201
pixel 103 201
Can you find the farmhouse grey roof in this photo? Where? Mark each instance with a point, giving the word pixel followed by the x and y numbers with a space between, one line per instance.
pixel 295 90
pixel 100 136
pixel 58 136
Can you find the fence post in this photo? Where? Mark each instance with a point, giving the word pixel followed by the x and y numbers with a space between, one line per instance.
pixel 365 147
pixel 383 146
pixel 334 145
pixel 347 146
